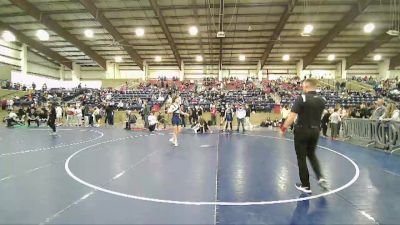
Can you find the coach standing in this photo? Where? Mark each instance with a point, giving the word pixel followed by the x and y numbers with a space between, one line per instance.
pixel 308 109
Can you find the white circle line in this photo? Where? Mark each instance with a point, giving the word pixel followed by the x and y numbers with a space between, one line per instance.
pixel 351 182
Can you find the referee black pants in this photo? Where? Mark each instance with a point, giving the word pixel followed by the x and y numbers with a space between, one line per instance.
pixel 305 143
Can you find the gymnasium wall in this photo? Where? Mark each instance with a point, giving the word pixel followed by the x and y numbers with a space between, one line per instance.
pixel 10 55
pixel 5 72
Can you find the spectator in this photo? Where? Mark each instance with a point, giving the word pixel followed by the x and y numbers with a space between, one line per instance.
pixel 396 113
pixel 152 121
pixel 335 121
pixel 247 123
pixel 33 116
pixel 240 115
pixel 213 112
pixel 161 120
pixel 11 119
pixel 146 112
pixel 379 111
pixel 109 118
pixel 59 116
pixel 325 122
pixel 130 120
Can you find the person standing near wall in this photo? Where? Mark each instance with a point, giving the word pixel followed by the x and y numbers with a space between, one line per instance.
pixel 308 110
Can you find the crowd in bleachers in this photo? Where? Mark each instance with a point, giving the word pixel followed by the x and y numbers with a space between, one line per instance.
pixel 82 106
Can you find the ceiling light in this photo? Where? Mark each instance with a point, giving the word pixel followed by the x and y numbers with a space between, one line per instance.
pixel 42 35
pixel 118 59
pixel 8 36
pixel 157 58
pixel 331 57
pixel 199 58
pixel 286 57
pixel 193 30
pixel 139 32
pixel 369 27
pixel 393 32
pixel 377 57
pixel 242 57
pixel 89 33
pixel 308 29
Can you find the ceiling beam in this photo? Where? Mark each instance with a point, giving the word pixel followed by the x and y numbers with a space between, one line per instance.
pixel 38 46
pixel 368 48
pixel 166 31
pixel 394 62
pixel 99 17
pixel 278 29
pixel 348 18
pixel 43 18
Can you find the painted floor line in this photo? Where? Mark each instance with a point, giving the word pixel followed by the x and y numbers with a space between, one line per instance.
pixel 86 196
pixel 54 147
pixel 105 190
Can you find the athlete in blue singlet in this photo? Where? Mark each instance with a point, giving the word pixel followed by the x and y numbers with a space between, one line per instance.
pixel 176 119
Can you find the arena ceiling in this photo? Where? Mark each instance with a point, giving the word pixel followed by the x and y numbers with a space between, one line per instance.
pixel 261 30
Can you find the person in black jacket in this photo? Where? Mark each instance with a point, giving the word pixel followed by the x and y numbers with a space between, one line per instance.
pixel 325 122
pixel 52 119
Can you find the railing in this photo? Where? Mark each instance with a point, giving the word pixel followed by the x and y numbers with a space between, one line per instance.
pixel 383 134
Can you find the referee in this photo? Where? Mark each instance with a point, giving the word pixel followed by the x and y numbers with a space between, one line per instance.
pixel 308 109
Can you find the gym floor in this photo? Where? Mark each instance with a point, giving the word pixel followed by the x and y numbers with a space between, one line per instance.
pixel 114 176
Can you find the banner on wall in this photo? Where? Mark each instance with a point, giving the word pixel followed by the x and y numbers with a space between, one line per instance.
pixel 17 77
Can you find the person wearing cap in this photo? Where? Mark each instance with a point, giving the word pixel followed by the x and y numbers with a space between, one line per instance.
pixel 308 109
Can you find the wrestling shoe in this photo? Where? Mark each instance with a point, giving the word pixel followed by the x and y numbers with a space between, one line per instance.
pixel 300 187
